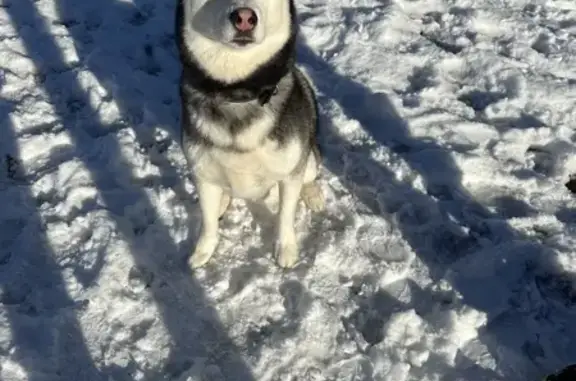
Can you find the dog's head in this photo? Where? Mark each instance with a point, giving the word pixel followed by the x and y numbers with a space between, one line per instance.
pixel 231 38
pixel 239 24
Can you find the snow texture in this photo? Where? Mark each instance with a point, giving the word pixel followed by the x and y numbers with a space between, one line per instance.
pixel 447 250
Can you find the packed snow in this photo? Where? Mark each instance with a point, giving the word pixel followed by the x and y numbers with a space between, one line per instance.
pixel 447 250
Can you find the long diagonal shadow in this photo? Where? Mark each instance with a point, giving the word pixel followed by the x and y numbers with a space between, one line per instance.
pixel 192 323
pixel 40 313
pixel 139 66
pixel 181 302
pixel 432 222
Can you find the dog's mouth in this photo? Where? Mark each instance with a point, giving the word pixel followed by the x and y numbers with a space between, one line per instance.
pixel 243 39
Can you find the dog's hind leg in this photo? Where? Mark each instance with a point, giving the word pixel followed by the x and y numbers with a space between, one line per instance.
pixel 224 204
pixel 210 197
pixel 312 196
pixel 311 192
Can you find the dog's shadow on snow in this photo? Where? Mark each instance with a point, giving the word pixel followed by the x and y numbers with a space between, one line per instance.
pixel 439 245
pixel 46 332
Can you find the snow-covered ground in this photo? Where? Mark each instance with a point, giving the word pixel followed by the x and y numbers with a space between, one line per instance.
pixel 447 250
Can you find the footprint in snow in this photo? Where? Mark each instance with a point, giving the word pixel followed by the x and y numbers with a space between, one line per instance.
pixel 297 300
pixel 452 31
pixel 140 278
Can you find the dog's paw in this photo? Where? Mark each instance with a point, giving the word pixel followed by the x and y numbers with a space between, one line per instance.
pixel 224 204
pixel 312 196
pixel 204 250
pixel 287 255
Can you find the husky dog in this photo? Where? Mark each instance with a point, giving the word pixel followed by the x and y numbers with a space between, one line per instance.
pixel 249 115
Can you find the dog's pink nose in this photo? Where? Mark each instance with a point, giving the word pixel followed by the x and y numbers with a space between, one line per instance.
pixel 244 19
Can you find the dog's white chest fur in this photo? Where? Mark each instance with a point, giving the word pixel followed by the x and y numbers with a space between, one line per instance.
pixel 248 175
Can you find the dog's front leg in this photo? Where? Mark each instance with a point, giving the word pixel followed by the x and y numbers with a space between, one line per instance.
pixel 210 197
pixel 287 245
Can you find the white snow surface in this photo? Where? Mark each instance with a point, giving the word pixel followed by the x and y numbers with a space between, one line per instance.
pixel 447 250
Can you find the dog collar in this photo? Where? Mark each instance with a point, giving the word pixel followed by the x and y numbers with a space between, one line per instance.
pixel 245 95
pixel 267 94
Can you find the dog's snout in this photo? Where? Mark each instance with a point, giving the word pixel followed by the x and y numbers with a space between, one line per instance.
pixel 244 19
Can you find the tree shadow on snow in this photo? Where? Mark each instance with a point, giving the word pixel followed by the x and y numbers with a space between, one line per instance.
pixel 196 333
pixel 137 72
pixel 434 224
pixel 40 312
